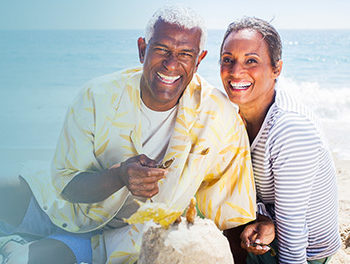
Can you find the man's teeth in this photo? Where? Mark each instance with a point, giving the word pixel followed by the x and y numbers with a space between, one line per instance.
pixel 241 85
pixel 168 79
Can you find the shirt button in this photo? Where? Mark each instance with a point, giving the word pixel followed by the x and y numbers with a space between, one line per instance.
pixel 45 207
pixel 64 225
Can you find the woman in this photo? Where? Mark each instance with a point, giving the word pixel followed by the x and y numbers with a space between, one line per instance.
pixel 294 173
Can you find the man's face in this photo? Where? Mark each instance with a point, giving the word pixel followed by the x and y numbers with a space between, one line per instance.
pixel 169 61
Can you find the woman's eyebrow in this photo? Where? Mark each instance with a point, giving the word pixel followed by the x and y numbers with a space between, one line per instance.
pixel 251 53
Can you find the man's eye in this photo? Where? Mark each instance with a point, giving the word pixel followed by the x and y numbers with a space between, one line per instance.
pixel 161 50
pixel 186 54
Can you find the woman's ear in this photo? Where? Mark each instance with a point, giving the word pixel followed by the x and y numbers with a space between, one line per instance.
pixel 277 69
pixel 141 44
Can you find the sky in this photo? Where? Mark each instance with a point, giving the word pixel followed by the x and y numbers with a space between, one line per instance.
pixel 133 14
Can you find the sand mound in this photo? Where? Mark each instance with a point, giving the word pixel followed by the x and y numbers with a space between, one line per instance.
pixel 185 243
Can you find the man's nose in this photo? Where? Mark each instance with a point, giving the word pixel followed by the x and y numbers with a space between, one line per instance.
pixel 171 62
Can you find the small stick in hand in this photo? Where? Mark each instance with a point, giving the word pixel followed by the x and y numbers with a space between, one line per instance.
pixel 166 164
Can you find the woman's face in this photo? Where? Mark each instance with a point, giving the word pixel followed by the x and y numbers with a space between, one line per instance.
pixel 246 70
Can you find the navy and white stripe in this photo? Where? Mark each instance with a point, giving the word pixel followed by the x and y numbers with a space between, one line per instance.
pixel 296 179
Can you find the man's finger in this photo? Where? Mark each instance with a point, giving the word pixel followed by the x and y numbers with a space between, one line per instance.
pixel 151 172
pixel 144 180
pixel 138 171
pixel 146 194
pixel 142 187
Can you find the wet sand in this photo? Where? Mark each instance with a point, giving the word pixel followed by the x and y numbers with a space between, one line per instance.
pixel 339 142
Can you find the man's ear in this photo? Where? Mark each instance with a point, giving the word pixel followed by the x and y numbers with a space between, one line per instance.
pixel 277 69
pixel 201 57
pixel 141 44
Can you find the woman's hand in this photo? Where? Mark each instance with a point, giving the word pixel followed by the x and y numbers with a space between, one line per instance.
pixel 256 237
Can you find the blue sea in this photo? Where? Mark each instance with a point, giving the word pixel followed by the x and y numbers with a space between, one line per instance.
pixel 42 71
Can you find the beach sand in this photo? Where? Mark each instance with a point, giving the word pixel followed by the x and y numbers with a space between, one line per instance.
pixel 339 143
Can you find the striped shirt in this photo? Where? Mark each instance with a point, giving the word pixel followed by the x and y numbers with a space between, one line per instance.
pixel 296 181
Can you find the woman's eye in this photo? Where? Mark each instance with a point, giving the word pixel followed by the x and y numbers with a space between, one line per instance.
pixel 226 60
pixel 250 61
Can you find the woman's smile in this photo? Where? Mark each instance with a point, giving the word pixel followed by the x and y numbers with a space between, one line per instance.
pixel 246 70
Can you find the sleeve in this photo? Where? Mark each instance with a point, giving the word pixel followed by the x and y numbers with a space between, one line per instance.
pixel 75 153
pixel 262 210
pixel 227 194
pixel 294 156
pixel 75 147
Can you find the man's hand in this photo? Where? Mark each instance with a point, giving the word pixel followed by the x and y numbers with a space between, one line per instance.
pixel 256 237
pixel 140 176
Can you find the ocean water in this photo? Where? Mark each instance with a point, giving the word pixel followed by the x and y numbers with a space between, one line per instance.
pixel 42 71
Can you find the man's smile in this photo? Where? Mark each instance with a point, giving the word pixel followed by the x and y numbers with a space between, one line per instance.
pixel 167 79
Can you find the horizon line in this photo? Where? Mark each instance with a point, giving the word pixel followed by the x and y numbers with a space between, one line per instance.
pixel 105 29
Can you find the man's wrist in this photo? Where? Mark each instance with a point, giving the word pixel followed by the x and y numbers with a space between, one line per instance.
pixel 115 176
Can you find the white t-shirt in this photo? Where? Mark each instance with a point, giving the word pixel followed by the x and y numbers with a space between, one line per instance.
pixel 157 128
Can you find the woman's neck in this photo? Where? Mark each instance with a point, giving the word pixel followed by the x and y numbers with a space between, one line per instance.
pixel 254 116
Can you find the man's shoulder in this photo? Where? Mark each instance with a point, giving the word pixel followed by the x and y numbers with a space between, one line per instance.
pixel 212 96
pixel 215 107
pixel 113 82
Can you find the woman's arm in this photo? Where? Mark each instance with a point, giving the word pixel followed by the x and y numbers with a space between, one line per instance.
pixel 294 154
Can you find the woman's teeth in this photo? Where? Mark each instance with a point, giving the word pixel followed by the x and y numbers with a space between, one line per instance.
pixel 240 85
pixel 168 79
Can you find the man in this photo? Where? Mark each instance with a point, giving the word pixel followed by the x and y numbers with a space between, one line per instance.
pixel 123 124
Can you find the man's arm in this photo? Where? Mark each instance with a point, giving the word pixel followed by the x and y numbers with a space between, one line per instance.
pixel 228 193
pixel 92 187
pixel 138 174
pixel 78 175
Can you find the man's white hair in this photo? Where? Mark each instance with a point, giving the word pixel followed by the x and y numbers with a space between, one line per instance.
pixel 179 15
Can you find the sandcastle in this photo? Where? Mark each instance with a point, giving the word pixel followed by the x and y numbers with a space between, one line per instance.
pixel 189 240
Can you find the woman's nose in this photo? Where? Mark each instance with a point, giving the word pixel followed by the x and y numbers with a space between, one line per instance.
pixel 236 69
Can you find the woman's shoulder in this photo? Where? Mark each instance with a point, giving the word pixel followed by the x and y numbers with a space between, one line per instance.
pixel 289 111
pixel 287 103
pixel 290 120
